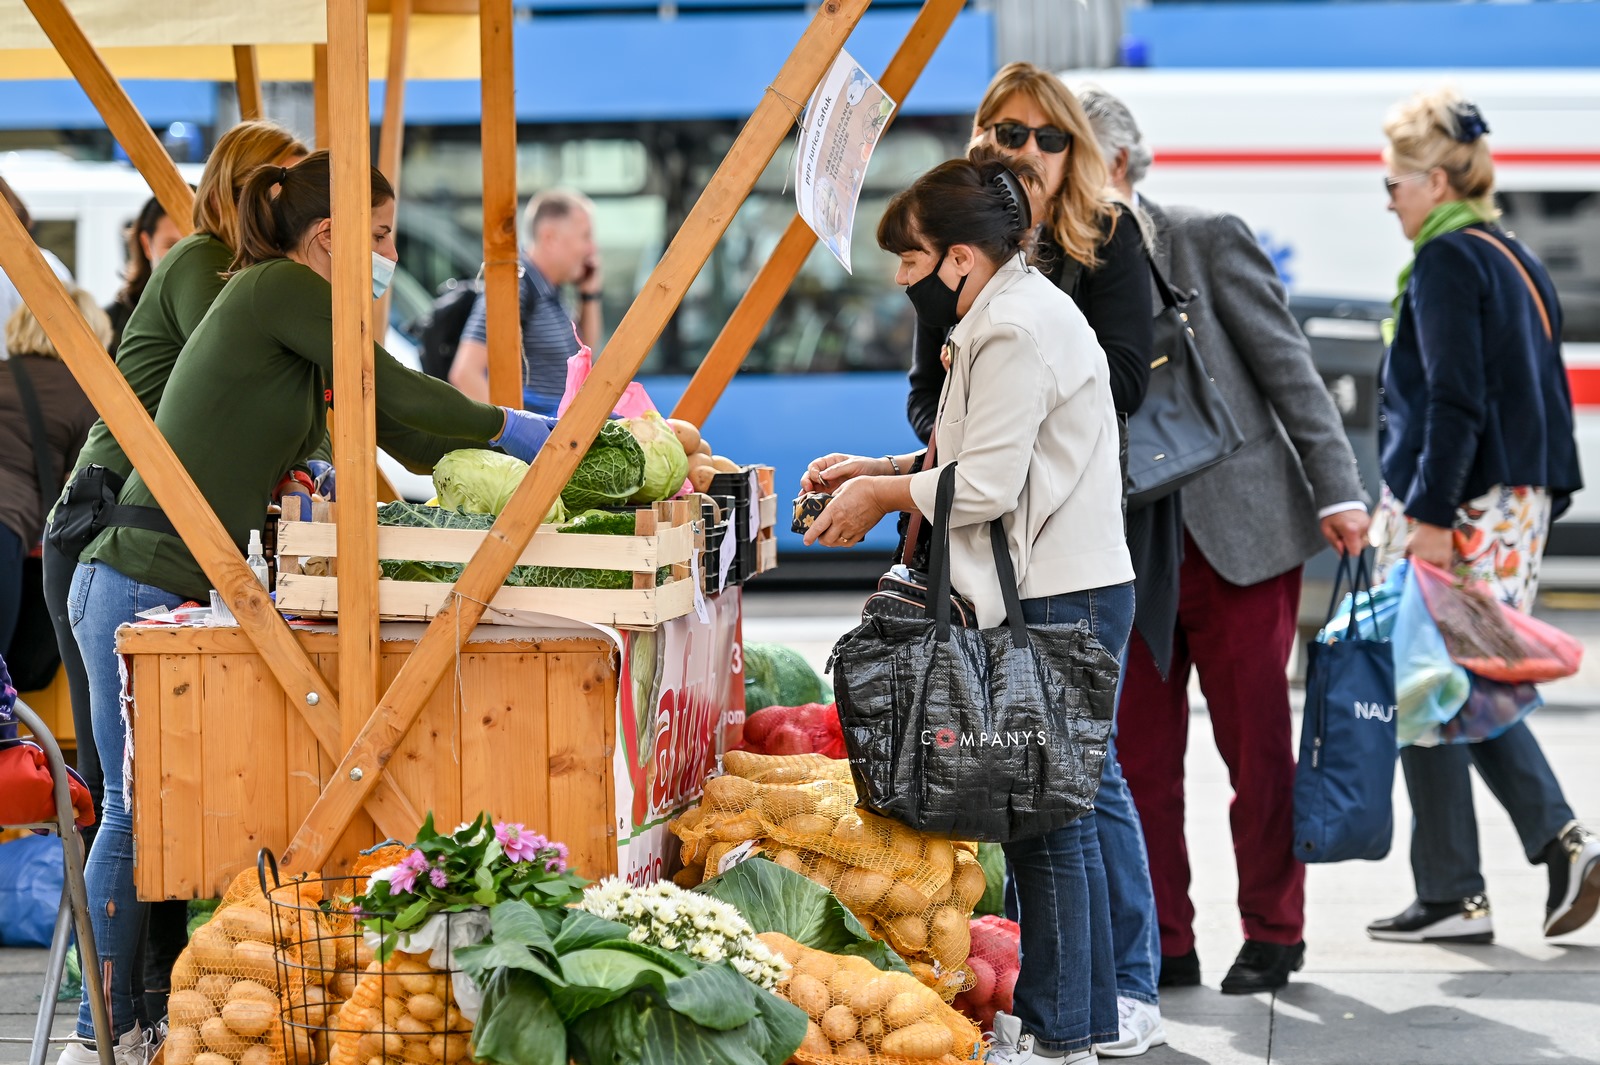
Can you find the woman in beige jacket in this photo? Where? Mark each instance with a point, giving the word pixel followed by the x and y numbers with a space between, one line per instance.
pixel 1026 415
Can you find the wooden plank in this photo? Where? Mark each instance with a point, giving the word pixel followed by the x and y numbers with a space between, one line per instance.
pixel 581 692
pixel 148 813
pixel 319 95
pixel 247 79
pixel 422 601
pixel 183 859
pixel 121 117
pixel 427 7
pixel 363 831
pixel 155 640
pixel 644 553
pixel 211 545
pixel 635 335
pixel 755 307
pixel 244 804
pixel 392 134
pixel 498 132
pixel 428 763
pixel 505 739
pixel 355 441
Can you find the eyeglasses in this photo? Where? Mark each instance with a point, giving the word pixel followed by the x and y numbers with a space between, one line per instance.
pixel 1014 136
pixel 1392 183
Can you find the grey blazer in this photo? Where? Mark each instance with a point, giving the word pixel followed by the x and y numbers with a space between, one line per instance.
pixel 1255 515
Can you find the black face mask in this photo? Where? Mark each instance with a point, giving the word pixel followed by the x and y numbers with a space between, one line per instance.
pixel 935 302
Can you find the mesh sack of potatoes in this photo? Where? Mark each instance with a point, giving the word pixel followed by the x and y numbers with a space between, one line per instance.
pixel 403 1010
pixel 322 954
pixel 859 1013
pixel 913 891
pixel 226 997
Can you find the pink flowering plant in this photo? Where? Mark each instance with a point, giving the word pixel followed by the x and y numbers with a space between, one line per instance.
pixel 478 865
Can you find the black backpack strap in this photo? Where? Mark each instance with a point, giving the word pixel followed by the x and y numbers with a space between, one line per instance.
pixel 43 460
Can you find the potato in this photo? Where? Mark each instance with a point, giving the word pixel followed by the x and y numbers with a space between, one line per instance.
pixel 245 922
pixel 370 1045
pixel 905 842
pixel 189 1007
pixel 243 989
pixel 700 476
pixel 184 971
pixel 818 963
pixel 926 1040
pixel 903 897
pixel 845 984
pixel 945 893
pixel 449 1048
pixel 343 985
pixel 949 937
pixel 218 1036
pixel 687 433
pixel 255 960
pixel 809 993
pixel 826 871
pixel 715 855
pixel 723 464
pixel 808 826
pixel 862 889
pixel 183 1043
pixel 838 1023
pixel 214 986
pixel 854 1048
pixel 416 1051
pixel 690 876
pixel 212 950
pixel 310 1004
pixel 834 807
pixel 738 829
pixel 870 1030
pixel 873 996
pixel 908 1007
pixel 790 860
pixel 250 1016
pixel 320 955
pixel 782 803
pixel 212 1059
pixel 969 882
pixel 779 943
pixel 910 932
pixel 851 832
pixel 729 794
pixel 258 1055
pixel 703 449
pixel 815 1041
pixel 941 859
pixel 412 1028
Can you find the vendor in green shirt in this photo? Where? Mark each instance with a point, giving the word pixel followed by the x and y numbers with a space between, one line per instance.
pixel 247 400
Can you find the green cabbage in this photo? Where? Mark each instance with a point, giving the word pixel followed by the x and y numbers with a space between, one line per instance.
pixel 665 462
pixel 475 481
pixel 610 472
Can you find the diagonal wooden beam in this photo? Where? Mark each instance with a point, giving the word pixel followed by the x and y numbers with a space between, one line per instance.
pixel 247 79
pixel 638 331
pixel 121 117
pixel 108 390
pixel 755 307
pixel 498 134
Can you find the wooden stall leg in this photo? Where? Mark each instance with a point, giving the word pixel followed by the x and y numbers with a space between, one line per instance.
pixel 247 79
pixel 638 331
pixel 499 135
pixel 755 307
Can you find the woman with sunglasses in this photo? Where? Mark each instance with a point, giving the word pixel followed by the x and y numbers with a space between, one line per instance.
pixel 1478 459
pixel 1091 246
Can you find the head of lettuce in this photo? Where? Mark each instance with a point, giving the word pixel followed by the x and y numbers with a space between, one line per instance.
pixel 666 464
pixel 475 481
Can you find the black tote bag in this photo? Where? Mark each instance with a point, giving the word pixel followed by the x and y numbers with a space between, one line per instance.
pixel 1183 427
pixel 990 735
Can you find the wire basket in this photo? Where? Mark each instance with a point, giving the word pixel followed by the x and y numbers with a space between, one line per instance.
pixel 341 1006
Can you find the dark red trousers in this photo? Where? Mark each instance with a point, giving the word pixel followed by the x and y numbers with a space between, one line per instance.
pixel 1239 639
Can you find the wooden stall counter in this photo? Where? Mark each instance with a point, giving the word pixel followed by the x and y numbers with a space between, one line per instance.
pixel 224 763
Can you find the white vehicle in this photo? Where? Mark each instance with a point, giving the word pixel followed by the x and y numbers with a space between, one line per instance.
pixel 1298 156
pixel 81 212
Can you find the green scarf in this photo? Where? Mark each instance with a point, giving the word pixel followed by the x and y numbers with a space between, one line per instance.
pixel 1445 218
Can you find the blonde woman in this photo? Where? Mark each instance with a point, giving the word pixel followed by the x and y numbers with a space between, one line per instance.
pixel 34 366
pixel 1478 458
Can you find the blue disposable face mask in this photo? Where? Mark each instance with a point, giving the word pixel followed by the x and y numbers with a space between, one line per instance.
pixel 382 273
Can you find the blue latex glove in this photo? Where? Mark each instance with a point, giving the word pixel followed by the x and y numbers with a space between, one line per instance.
pixel 524 434
pixel 322 478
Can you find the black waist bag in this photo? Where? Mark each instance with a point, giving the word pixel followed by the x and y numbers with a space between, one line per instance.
pixel 89 506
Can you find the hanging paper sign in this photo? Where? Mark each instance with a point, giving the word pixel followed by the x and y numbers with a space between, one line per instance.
pixel 842 124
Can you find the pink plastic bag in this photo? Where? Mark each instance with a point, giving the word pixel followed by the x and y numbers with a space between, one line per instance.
pixel 634 402
pixel 1491 639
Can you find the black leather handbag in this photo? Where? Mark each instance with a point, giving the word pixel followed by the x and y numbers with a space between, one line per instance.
pixel 1183 427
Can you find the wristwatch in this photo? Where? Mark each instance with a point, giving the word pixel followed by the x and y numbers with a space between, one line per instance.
pixel 588 297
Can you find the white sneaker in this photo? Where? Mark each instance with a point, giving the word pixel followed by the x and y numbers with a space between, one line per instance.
pixel 1574 881
pixel 1012 1047
pixel 1141 1029
pixel 138 1047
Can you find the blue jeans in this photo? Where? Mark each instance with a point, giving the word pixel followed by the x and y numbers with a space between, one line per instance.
pixel 1444 836
pixel 1066 994
pixel 1135 935
pixel 100 600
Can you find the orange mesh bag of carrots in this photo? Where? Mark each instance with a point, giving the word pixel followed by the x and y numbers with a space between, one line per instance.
pixel 914 892
pixel 861 1014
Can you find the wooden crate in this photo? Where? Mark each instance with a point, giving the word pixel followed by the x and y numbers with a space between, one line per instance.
pixel 223 764
pixel 666 537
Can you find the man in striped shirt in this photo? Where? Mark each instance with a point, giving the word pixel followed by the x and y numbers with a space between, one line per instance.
pixel 558 249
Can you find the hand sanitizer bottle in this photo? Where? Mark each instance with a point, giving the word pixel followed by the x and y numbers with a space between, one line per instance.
pixel 256 560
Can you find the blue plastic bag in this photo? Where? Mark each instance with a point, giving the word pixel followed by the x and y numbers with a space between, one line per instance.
pixel 1430 688
pixel 31 879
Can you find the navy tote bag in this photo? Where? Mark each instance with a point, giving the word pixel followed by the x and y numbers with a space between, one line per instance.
pixel 1344 783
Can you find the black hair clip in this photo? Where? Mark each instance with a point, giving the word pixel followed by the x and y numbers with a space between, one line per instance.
pixel 1016 199
pixel 1470 124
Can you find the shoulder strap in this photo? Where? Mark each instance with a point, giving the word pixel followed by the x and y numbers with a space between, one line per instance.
pixel 1538 300
pixel 1168 297
pixel 44 461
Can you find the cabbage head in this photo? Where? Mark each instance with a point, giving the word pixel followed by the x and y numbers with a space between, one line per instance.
pixel 475 481
pixel 665 463
pixel 610 473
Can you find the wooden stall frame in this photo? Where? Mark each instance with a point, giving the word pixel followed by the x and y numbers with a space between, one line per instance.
pixel 761 299
pixel 392 134
pixel 247 80
pixel 498 132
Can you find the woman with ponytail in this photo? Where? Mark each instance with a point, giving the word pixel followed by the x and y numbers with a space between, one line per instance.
pixel 246 401
pixel 1027 415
